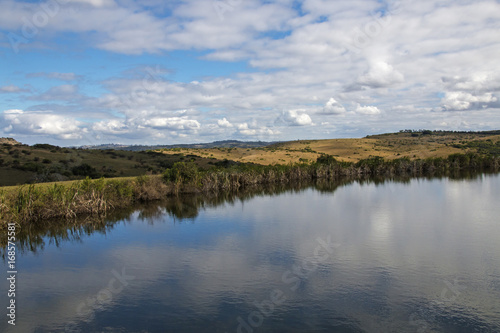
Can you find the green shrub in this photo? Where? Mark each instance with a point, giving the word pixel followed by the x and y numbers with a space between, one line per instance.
pixel 85 170
pixel 182 172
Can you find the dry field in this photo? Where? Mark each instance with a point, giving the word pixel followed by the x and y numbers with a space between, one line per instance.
pixel 389 146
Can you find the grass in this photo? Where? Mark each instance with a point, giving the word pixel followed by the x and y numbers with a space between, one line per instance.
pixel 38 202
pixel 388 146
pixel 21 164
pixel 215 170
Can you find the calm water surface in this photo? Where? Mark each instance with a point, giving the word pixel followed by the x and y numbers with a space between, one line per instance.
pixel 415 256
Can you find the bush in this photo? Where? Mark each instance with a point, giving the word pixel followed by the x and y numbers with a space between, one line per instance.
pixel 183 173
pixel 46 146
pixel 85 170
pixel 326 159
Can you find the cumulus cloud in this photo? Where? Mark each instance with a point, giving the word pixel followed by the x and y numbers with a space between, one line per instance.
pixel 459 101
pixel 154 125
pixel 367 110
pixel 255 130
pixel 113 127
pixel 171 123
pixel 333 107
pixel 295 118
pixel 41 123
pixel 224 123
pixel 380 75
pixel 296 57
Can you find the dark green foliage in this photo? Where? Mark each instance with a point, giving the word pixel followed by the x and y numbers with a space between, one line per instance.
pixel 108 163
pixel 182 172
pixel 85 170
pixel 326 159
pixel 33 167
pixel 46 146
pixel 481 146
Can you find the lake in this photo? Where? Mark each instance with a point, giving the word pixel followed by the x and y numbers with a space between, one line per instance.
pixel 420 255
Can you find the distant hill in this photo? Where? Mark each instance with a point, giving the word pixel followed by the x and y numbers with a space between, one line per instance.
pixel 9 141
pixel 215 144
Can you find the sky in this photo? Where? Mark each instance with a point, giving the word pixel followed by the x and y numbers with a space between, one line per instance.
pixel 87 72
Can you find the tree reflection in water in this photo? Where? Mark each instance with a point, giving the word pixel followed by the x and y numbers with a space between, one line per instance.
pixel 34 237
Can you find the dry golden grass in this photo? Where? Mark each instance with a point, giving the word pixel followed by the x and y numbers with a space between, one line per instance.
pixel 389 146
pixel 265 156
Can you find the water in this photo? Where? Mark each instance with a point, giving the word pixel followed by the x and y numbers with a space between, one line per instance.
pixel 415 256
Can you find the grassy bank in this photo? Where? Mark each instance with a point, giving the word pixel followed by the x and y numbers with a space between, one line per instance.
pixel 33 203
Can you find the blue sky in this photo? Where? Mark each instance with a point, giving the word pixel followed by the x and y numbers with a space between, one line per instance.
pixel 79 72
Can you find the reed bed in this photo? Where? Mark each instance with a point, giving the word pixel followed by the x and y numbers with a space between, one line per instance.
pixel 39 202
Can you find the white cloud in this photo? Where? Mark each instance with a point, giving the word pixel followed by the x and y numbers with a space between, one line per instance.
pixel 224 123
pixel 380 75
pixel 367 110
pixel 295 118
pixel 113 127
pixel 333 107
pixel 259 132
pixel 21 122
pixel 171 123
pixel 459 101
pixel 296 59
pixel 152 125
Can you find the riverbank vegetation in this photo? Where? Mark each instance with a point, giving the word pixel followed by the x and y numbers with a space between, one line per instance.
pixel 176 209
pixel 38 202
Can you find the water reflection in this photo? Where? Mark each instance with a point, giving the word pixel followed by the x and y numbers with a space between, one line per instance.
pixel 35 237
pixel 418 255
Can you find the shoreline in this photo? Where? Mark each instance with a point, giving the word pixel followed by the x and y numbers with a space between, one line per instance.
pixel 38 202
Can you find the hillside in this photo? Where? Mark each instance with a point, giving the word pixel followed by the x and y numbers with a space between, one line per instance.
pixel 9 141
pixel 20 164
pixel 412 144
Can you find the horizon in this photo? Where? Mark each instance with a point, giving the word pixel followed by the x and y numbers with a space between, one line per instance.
pixel 263 141
pixel 90 72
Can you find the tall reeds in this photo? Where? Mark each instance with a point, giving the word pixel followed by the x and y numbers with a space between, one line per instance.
pixel 34 203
